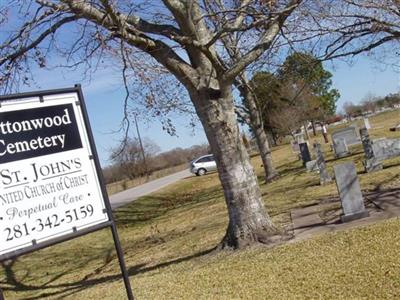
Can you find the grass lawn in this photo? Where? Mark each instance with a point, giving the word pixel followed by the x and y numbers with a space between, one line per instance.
pixel 167 238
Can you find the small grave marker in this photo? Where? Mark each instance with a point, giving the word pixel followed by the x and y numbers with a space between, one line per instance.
pixel 324 176
pixel 378 150
pixel 312 165
pixel 344 138
pixel 386 148
pixel 350 192
pixel 349 134
pixel 340 148
pixel 371 163
pixel 305 153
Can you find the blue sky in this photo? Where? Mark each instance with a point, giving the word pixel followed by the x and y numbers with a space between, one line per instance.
pixel 364 76
pixel 104 99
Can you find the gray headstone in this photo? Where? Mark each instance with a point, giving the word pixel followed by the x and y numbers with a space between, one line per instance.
pixel 299 137
pixel 312 165
pixel 366 142
pixel 371 163
pixel 349 192
pixel 340 148
pixel 305 153
pixel 324 176
pixel 386 148
pixel 349 134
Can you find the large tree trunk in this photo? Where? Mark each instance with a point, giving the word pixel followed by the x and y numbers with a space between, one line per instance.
pixel 249 222
pixel 256 124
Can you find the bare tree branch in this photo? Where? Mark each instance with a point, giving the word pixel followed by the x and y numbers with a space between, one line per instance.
pixel 21 51
pixel 265 41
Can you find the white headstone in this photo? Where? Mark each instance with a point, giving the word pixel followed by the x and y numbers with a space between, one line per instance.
pixel 366 123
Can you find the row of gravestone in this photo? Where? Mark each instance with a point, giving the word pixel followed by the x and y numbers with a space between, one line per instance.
pixel 346 179
pixel 376 151
pixel 318 164
pixel 342 139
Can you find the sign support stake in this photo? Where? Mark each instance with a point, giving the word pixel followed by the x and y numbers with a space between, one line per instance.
pixel 121 260
pixel 114 232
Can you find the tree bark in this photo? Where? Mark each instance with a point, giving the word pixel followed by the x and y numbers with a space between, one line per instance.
pixel 274 137
pixel 257 126
pixel 265 153
pixel 313 128
pixel 249 222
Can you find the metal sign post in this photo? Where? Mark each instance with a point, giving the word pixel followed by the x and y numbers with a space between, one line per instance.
pixel 114 232
pixel 51 184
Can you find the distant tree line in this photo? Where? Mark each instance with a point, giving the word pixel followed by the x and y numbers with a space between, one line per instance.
pixel 128 163
pixel 371 104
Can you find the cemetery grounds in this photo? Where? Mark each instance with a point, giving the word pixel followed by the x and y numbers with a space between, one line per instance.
pixel 168 239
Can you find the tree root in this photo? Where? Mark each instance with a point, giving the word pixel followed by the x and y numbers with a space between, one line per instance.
pixel 271 177
pixel 260 237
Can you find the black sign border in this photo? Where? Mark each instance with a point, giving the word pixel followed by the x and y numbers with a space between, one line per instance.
pixel 108 224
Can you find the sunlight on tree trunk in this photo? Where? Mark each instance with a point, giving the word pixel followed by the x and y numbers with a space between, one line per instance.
pixel 248 220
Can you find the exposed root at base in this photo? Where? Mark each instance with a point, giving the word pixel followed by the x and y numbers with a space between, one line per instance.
pixel 260 238
pixel 271 177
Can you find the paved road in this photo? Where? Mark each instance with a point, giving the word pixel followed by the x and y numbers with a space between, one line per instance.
pixel 132 194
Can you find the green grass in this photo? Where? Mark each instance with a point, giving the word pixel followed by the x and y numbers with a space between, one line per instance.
pixel 167 236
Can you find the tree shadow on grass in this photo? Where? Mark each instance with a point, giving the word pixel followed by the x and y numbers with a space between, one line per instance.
pixel 15 284
pixel 151 207
pixel 291 168
pixel 379 186
pixel 312 182
pixel 294 170
pixel 345 158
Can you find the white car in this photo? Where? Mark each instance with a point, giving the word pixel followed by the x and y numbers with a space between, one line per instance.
pixel 203 164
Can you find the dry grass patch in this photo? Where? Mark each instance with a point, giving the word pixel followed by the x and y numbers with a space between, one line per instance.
pixel 361 263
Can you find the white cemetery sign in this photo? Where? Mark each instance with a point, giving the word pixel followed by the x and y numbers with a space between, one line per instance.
pixel 51 189
pixel 48 178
